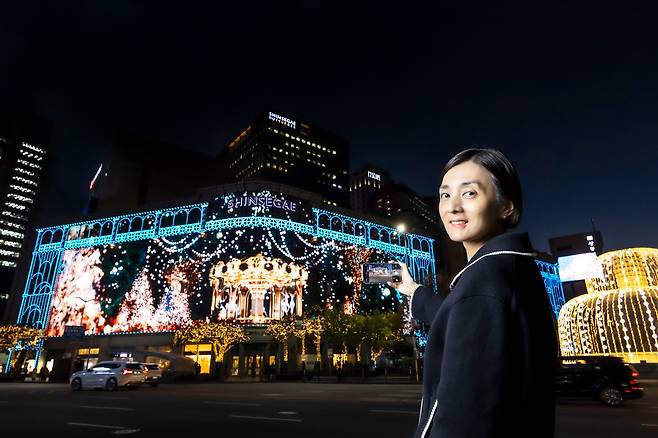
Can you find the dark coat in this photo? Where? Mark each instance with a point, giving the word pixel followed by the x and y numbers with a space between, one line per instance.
pixel 489 365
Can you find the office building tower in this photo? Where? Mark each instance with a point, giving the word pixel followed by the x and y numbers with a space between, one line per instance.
pixel 279 149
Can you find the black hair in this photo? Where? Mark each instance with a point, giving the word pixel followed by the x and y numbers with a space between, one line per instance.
pixel 503 175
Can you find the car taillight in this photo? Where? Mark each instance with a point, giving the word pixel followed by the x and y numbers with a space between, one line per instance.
pixel 633 382
pixel 146 370
pixel 124 372
pixel 635 374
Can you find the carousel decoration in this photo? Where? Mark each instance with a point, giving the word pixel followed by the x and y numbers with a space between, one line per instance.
pixel 257 289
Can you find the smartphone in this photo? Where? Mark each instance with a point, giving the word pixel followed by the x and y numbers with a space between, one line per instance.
pixel 377 273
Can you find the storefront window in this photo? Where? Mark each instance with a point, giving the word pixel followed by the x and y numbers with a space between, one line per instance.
pixel 235 365
pixel 201 354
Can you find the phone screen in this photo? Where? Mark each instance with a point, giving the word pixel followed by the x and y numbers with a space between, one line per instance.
pixel 378 273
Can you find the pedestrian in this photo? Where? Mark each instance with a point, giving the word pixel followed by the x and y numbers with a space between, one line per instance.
pixel 43 374
pixel 490 356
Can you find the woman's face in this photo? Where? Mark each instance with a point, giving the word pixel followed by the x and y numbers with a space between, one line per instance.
pixel 468 206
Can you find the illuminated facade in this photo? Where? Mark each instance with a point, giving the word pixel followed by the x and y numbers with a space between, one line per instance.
pixel 618 314
pixel 553 285
pixel 252 257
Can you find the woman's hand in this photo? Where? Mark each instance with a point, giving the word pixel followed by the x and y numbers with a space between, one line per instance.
pixel 407 286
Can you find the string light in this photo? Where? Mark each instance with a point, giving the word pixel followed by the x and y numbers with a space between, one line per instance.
pixel 617 316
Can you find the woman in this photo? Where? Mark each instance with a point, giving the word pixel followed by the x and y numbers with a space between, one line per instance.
pixel 490 356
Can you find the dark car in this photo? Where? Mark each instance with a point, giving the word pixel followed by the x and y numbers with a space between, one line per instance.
pixel 604 378
pixel 153 374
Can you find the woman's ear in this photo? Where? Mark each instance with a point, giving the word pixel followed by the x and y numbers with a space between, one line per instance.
pixel 507 209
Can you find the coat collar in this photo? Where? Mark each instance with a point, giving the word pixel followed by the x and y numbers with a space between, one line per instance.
pixel 508 243
pixel 519 242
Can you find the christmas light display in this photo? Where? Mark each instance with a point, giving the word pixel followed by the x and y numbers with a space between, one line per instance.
pixel 552 284
pixel 19 337
pixel 618 314
pixel 281 331
pixel 251 257
pixel 221 335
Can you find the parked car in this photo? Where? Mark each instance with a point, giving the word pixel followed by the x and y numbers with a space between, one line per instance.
pixel 109 375
pixel 153 374
pixel 604 378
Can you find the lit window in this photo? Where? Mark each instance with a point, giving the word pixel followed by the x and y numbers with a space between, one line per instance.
pixel 27 172
pixel 11 233
pixel 15 206
pixel 28 164
pixel 31 155
pixel 20 198
pixel 34 148
pixel 13 225
pixel 24 180
pixel 22 189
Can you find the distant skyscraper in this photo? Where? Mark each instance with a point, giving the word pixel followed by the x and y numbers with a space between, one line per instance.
pixel 279 149
pixel 365 185
pixel 373 191
pixel 580 243
pixel 23 140
pixel 137 171
pixel 22 165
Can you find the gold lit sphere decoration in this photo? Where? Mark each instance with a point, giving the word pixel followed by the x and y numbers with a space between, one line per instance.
pixel 618 315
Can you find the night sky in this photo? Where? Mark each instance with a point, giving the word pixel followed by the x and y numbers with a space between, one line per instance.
pixel 568 93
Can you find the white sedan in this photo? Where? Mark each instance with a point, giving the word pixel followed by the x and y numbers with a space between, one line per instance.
pixel 110 376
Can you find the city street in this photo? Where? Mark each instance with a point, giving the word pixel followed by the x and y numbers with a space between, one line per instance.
pixel 274 409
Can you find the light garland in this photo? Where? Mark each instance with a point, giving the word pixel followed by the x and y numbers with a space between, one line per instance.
pixel 618 315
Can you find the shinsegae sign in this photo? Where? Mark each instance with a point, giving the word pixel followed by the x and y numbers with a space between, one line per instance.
pixel 247 201
pixel 282 120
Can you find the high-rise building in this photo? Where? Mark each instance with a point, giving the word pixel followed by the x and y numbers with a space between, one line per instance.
pixel 580 243
pixel 279 149
pixel 373 192
pixel 365 185
pixel 23 165
pixel 23 147
pixel 397 201
pixel 137 171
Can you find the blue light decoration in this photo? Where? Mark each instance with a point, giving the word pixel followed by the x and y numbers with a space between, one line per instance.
pixel 154 271
pixel 553 284
pixel 123 265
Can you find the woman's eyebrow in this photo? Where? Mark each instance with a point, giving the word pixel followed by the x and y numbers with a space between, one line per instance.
pixel 465 183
